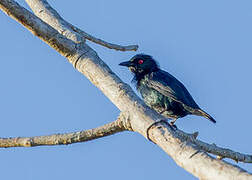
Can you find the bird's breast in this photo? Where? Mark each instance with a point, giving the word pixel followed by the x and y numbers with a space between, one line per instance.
pixel 160 103
pixel 151 97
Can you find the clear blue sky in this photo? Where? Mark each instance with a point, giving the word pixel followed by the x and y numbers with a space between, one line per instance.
pixel 205 44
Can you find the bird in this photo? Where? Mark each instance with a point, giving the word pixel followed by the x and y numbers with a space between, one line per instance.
pixel 161 91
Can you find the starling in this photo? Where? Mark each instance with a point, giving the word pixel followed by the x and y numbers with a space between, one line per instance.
pixel 161 91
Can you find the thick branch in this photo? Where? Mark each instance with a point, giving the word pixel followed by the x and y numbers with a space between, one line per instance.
pixel 187 154
pixel 39 28
pixel 87 62
pixel 67 138
pixel 42 9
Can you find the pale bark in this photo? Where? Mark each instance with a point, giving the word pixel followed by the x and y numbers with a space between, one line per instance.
pixel 42 9
pixel 120 125
pixel 183 148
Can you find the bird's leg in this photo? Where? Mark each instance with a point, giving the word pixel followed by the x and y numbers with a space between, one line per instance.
pixel 174 118
pixel 164 121
pixel 172 123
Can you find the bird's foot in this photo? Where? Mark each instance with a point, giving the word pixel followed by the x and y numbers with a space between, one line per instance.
pixel 172 126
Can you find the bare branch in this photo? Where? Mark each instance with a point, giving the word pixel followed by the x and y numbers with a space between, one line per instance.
pixel 187 154
pixel 39 28
pixel 214 149
pixel 42 9
pixel 141 117
pixel 104 43
pixel 67 138
pixel 224 152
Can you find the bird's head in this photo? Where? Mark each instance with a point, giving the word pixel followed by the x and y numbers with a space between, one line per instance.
pixel 141 64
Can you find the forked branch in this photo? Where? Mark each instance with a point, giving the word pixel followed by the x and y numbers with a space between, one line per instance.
pixel 42 9
pixel 86 60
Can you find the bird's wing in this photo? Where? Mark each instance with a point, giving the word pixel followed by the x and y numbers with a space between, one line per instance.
pixel 169 86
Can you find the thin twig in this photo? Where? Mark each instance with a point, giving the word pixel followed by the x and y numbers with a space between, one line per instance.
pixel 102 42
pixel 214 149
pixel 224 152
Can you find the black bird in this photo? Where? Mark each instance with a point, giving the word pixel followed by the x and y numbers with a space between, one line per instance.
pixel 161 91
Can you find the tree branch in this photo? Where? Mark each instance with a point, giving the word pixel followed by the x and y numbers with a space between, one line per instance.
pixel 104 43
pixel 185 153
pixel 42 9
pixel 119 125
pixel 214 149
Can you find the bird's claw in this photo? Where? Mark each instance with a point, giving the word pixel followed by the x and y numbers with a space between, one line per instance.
pixel 173 126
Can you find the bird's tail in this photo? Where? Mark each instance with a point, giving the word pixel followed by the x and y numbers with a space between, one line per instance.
pixel 200 112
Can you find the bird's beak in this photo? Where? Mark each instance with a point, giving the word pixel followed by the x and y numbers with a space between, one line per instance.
pixel 126 63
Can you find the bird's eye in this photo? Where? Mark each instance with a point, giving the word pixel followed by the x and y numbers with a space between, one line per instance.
pixel 140 61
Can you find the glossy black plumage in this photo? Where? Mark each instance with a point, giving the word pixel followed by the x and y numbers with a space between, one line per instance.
pixel 161 91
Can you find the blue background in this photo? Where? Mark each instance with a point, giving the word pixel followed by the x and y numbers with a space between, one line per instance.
pixel 205 44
